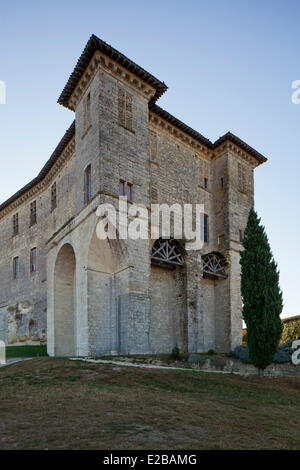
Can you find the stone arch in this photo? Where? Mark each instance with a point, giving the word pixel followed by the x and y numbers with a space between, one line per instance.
pixel 168 296
pixel 64 302
pixel 107 280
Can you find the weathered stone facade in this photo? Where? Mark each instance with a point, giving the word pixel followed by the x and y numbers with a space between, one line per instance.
pixel 93 297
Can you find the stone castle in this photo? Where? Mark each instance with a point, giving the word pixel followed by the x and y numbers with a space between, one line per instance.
pixel 60 284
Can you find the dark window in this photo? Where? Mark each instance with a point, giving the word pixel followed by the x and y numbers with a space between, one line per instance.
pixel 122 188
pixel 129 191
pixel 88 184
pixel 33 260
pixel 205 183
pixel 16 267
pixel 16 224
pixel 53 197
pixel 222 182
pixel 33 213
pixel 205 228
pixel 241 235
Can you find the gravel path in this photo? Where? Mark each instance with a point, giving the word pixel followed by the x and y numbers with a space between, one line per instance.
pixel 146 366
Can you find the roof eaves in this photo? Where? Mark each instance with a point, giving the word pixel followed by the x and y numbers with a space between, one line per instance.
pixel 180 125
pixel 46 168
pixel 240 143
pixel 94 44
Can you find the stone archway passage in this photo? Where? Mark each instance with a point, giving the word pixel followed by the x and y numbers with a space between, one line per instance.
pixel 64 302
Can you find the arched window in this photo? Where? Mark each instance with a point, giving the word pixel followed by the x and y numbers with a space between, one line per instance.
pixel 167 253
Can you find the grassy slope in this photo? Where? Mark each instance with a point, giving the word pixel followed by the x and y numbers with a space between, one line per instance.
pixel 59 404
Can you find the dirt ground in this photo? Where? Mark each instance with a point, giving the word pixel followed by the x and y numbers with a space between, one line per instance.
pixel 49 403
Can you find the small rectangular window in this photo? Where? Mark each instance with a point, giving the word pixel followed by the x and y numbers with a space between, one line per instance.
pixel 242 178
pixel 153 145
pixel 129 111
pixel 125 109
pixel 221 239
pixel 121 107
pixel 205 228
pixel 16 224
pixel 33 218
pixel 129 191
pixel 53 197
pixel 88 184
pixel 16 267
pixel 241 235
pixel 33 260
pixel 222 182
pixel 205 183
pixel 87 113
pixel 122 188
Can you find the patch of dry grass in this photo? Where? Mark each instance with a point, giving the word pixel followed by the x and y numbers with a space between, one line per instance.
pixel 51 403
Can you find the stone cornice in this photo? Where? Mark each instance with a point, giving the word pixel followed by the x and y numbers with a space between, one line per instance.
pixel 161 118
pixel 237 151
pixel 239 143
pixel 40 186
pixel 184 138
pixel 98 61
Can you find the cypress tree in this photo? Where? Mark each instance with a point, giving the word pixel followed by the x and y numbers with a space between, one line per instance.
pixel 262 297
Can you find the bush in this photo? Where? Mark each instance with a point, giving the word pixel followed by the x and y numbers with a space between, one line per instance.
pixel 175 353
pixel 211 352
pixel 242 353
pixel 197 358
pixel 282 355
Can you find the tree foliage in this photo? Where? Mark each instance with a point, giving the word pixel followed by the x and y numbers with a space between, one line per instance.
pixel 262 297
pixel 291 330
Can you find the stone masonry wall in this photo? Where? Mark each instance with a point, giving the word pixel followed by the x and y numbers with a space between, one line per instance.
pixel 23 301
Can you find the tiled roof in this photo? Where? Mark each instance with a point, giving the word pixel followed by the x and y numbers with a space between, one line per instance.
pixel 46 168
pixel 94 44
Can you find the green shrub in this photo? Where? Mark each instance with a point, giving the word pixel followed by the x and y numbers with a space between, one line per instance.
pixel 175 353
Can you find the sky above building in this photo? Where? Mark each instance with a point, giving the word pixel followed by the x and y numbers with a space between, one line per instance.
pixel 229 66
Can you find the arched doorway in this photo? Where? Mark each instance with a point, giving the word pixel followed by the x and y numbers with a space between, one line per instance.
pixel 64 302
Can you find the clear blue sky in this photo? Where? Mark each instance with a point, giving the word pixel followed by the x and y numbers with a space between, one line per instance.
pixel 229 65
